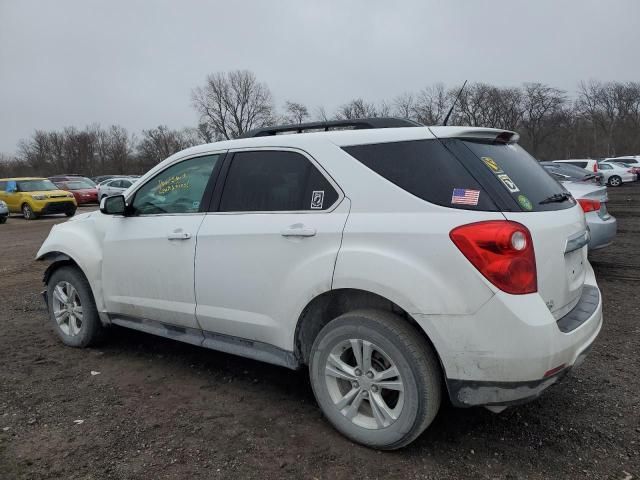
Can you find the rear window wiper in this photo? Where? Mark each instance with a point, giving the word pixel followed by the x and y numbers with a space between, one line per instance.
pixel 556 197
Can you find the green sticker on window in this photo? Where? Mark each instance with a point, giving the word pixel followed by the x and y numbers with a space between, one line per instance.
pixel 524 202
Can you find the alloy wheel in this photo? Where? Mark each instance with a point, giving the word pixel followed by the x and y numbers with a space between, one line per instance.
pixel 67 308
pixel 364 384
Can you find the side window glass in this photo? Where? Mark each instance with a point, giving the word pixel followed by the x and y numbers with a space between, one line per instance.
pixel 272 181
pixel 178 189
pixel 3 186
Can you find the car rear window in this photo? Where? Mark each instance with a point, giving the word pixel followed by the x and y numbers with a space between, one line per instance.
pixel 514 170
pixel 426 169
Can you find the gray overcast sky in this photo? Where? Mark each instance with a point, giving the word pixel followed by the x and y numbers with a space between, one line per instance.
pixel 134 63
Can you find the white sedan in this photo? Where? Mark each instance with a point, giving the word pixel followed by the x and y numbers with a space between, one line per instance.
pixel 114 186
pixel 615 174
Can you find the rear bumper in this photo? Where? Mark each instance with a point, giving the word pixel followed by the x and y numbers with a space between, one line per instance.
pixel 602 231
pixel 512 349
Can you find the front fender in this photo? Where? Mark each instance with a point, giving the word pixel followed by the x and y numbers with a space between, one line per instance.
pixel 79 242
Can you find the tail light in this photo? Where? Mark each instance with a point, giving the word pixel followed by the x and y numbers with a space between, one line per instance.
pixel 589 205
pixel 595 167
pixel 502 251
pixel 630 171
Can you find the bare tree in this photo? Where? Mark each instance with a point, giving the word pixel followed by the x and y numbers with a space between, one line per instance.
pixel 295 113
pixel 358 108
pixel 543 113
pixel 233 103
pixel 404 106
pixel 321 114
pixel 432 105
pixel 161 142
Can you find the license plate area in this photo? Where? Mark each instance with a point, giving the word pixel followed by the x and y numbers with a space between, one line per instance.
pixel 575 269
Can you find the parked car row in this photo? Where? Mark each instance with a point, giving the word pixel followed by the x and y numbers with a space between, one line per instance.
pixel 614 173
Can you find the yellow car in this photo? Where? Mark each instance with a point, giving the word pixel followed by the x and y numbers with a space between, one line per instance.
pixel 34 196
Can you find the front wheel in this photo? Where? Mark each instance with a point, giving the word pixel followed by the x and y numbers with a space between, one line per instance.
pixel 72 308
pixel 3 220
pixel 70 214
pixel 615 181
pixel 375 378
pixel 28 213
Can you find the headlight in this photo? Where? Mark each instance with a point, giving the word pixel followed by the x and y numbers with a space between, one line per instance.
pixel 38 197
pixel 2 204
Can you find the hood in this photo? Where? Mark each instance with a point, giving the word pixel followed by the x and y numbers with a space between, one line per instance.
pixel 50 193
pixel 585 190
pixel 85 190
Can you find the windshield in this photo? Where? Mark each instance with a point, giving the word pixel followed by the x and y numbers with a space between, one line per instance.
pixel 36 185
pixel 78 185
pixel 522 176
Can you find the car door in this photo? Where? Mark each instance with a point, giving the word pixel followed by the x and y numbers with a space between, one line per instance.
pixel 268 245
pixel 147 270
pixel 11 196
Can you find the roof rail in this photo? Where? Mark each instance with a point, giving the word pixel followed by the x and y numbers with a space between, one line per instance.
pixel 356 124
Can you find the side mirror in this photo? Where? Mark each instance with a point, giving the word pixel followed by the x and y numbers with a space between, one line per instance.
pixel 114 205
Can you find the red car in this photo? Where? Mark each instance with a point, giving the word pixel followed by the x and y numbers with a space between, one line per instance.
pixel 83 191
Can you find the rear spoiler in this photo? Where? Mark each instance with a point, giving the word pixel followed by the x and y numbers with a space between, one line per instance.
pixel 493 135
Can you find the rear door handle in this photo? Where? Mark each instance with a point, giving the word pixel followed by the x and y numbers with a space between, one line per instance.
pixel 298 230
pixel 178 235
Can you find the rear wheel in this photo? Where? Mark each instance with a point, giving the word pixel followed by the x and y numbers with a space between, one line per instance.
pixel 615 181
pixel 375 378
pixel 28 213
pixel 70 214
pixel 72 309
pixel 3 220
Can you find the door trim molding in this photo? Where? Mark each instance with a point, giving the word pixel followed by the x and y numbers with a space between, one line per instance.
pixel 242 347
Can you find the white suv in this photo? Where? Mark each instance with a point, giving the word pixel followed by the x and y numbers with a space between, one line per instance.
pixel 399 264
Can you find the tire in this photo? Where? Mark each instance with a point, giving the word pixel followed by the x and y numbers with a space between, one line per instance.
pixel 3 220
pixel 614 181
pixel 70 214
pixel 88 330
pixel 394 343
pixel 28 213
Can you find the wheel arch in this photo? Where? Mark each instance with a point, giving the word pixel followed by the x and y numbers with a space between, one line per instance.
pixel 333 303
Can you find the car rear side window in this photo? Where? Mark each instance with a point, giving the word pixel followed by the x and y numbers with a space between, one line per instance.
pixel 272 181
pixel 426 169
pixel 578 164
pixel 519 174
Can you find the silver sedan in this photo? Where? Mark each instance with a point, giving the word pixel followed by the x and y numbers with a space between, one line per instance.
pixel 593 200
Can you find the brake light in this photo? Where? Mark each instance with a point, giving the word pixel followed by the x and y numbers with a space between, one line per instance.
pixel 502 251
pixel 589 205
pixel 595 167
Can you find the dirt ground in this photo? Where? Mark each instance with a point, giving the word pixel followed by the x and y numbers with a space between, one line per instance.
pixel 162 409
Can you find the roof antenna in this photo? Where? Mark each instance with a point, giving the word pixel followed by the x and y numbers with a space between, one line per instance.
pixel 446 119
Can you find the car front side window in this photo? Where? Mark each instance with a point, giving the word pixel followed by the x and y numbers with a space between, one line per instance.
pixel 178 189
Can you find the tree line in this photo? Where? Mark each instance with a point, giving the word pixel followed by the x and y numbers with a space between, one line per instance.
pixel 600 119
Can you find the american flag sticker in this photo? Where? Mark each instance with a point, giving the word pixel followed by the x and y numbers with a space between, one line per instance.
pixel 464 196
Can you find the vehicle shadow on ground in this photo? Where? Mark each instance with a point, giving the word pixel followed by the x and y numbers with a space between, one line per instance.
pixel 452 428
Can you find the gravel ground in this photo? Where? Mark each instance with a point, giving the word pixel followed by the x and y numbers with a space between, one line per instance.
pixel 161 409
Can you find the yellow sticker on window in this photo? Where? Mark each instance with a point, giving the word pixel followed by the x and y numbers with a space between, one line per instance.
pixel 492 164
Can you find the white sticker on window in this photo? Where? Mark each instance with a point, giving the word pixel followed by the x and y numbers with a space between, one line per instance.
pixel 507 182
pixel 317 199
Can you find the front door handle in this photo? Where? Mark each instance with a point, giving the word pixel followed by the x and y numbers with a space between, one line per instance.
pixel 298 230
pixel 178 235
